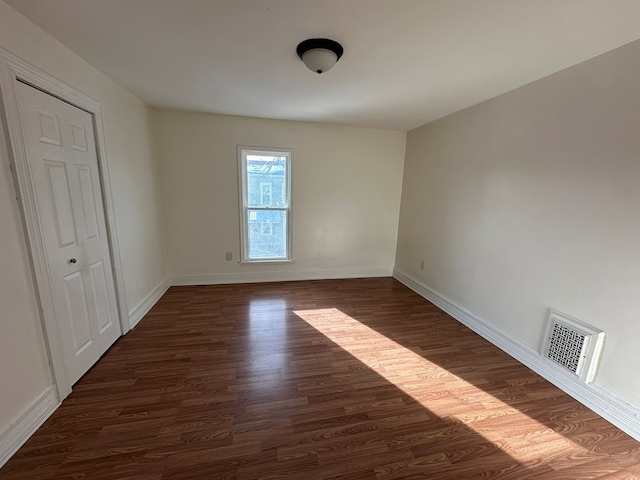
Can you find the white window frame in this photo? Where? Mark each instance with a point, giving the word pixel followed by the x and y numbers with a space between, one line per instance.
pixel 243 191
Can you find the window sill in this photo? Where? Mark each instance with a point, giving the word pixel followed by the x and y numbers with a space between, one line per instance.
pixel 265 262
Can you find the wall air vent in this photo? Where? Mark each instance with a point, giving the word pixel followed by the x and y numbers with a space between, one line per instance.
pixel 573 345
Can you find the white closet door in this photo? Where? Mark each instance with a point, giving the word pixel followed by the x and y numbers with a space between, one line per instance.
pixel 64 165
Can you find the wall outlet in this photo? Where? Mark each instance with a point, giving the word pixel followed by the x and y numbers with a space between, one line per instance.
pixel 229 256
pixel 422 265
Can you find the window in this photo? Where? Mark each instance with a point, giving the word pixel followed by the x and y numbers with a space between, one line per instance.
pixel 265 193
pixel 265 204
pixel 267 228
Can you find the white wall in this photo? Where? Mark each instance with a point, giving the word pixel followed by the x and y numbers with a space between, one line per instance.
pixel 346 195
pixel 24 372
pixel 531 200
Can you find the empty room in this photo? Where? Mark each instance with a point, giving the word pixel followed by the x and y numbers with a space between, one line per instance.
pixel 319 239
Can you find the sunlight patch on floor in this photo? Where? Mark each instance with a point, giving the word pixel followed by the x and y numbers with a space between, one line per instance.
pixel 431 385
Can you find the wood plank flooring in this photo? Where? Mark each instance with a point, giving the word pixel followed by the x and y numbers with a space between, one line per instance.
pixel 347 379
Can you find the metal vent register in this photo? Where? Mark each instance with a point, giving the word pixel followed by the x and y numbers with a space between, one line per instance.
pixel 573 345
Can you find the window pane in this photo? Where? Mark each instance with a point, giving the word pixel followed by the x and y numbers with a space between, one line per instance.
pixel 266 181
pixel 267 233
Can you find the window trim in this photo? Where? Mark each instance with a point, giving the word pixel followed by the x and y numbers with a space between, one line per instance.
pixel 242 152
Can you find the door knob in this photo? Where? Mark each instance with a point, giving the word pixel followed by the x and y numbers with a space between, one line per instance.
pixel 72 260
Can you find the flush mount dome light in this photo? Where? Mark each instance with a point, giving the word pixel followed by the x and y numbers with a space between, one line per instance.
pixel 319 54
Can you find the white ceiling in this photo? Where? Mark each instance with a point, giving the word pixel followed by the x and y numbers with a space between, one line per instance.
pixel 406 62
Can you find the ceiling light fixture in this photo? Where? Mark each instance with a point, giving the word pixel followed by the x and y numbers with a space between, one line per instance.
pixel 319 54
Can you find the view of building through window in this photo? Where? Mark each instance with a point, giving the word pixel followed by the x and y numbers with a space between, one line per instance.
pixel 265 186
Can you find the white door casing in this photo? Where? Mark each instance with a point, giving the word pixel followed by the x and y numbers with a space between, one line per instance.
pixel 61 151
pixel 13 70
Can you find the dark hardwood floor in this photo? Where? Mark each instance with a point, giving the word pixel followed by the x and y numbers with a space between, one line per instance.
pixel 347 379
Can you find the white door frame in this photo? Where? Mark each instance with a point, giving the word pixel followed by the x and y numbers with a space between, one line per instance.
pixel 13 69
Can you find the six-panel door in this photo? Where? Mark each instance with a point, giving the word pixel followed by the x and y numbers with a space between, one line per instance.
pixel 64 169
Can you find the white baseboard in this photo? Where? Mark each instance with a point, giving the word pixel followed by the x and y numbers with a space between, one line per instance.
pixel 148 302
pixel 27 423
pixel 256 277
pixel 622 415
